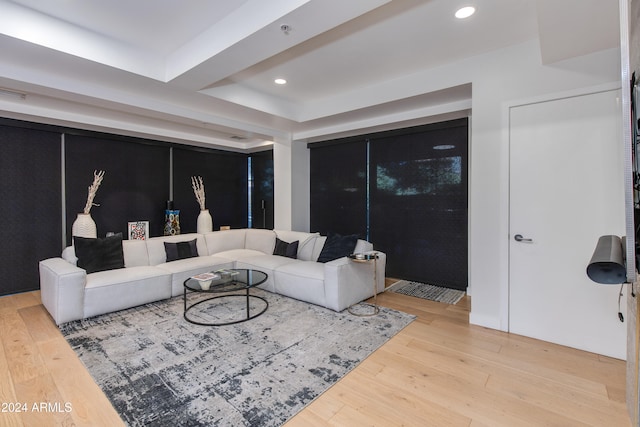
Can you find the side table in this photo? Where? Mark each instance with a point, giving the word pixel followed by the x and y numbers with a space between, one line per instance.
pixel 371 258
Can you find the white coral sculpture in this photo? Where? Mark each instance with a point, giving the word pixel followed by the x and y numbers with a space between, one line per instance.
pixel 198 190
pixel 93 189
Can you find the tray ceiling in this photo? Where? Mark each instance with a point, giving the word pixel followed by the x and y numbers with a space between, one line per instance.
pixel 206 68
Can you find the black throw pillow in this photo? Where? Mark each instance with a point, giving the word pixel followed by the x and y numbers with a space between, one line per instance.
pixel 283 248
pixel 180 250
pixel 99 254
pixel 337 246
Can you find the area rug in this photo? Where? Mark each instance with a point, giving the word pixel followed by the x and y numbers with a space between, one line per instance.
pixel 426 291
pixel 159 370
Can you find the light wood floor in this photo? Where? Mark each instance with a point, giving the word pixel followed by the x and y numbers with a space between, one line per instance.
pixel 438 371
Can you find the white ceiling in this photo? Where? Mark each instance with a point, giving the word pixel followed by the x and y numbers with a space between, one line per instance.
pixel 202 71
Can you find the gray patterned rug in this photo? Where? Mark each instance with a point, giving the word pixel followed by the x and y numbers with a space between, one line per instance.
pixel 159 370
pixel 426 291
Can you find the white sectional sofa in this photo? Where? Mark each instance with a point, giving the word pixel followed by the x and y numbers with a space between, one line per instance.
pixel 69 293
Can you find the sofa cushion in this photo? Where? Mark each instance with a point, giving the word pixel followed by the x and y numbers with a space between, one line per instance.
pixel 337 246
pixel 220 241
pixel 266 264
pixel 99 254
pixel 69 255
pixel 262 262
pixel 126 276
pixel 135 253
pixel 260 240
pixel 289 250
pixel 180 250
pixel 238 254
pixel 114 290
pixel 303 280
pixel 318 244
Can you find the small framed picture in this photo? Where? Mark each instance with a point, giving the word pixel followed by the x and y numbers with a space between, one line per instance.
pixel 139 230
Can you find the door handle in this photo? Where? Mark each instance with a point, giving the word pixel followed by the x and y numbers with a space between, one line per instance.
pixel 519 238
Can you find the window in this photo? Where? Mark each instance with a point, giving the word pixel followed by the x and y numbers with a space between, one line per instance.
pixel 406 191
pixel 420 176
pixel 261 189
pixel 339 188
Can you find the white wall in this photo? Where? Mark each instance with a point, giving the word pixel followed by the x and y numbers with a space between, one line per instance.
pixel 291 185
pixel 633 403
pixel 282 177
pixel 301 199
pixel 499 79
pixel 502 79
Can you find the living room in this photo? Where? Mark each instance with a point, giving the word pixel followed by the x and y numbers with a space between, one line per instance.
pixel 514 67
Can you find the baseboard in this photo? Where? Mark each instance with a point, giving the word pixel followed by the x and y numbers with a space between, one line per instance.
pixel 485 321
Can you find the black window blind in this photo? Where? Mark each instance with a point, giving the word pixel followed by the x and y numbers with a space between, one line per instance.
pixel 406 191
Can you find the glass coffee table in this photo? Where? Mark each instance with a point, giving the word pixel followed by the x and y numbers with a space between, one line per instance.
pixel 228 283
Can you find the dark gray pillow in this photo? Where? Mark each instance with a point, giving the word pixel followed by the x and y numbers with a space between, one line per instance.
pixel 337 246
pixel 180 250
pixel 283 248
pixel 99 254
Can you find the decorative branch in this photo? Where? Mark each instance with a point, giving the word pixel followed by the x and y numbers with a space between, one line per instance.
pixel 93 188
pixel 198 190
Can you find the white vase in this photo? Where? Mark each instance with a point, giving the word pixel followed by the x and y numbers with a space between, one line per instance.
pixel 205 222
pixel 84 226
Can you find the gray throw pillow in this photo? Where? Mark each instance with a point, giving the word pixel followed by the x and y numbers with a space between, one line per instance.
pixel 283 248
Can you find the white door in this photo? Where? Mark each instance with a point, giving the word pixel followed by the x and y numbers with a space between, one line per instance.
pixel 566 190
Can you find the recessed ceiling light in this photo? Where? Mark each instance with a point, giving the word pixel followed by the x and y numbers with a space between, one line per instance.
pixel 465 12
pixel 280 81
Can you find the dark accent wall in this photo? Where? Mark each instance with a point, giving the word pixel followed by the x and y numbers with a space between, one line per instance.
pixel 225 177
pixel 31 203
pixel 135 186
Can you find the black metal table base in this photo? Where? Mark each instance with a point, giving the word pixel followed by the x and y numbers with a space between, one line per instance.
pixel 374 309
pixel 249 316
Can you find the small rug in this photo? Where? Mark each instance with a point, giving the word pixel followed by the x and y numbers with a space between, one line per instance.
pixel 159 370
pixel 430 292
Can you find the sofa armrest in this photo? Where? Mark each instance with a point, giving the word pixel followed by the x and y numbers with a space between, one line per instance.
pixel 347 282
pixel 62 289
